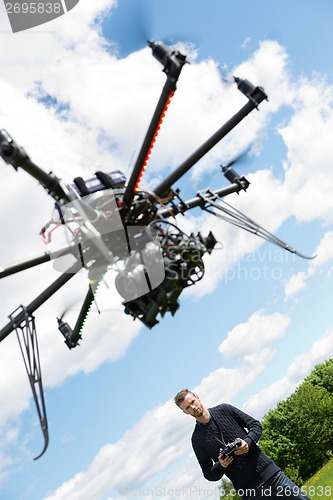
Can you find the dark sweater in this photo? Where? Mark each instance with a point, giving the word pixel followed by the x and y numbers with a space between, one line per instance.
pixel 248 471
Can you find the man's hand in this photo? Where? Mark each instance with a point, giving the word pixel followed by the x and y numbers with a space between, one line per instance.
pixel 243 448
pixel 225 461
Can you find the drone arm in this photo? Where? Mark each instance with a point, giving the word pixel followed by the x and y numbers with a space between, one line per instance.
pixel 88 300
pixel 36 261
pixel 173 63
pixel 147 145
pixel 27 264
pixel 72 336
pixel 41 299
pixel 16 156
pixel 255 98
pixel 201 199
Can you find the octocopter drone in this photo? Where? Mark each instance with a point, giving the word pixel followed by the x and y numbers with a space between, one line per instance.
pixel 114 224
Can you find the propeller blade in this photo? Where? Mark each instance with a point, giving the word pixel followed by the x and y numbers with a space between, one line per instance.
pixel 68 308
pixel 131 26
pixel 135 23
pixel 241 158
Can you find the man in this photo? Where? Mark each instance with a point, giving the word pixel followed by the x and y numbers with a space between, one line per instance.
pixel 254 475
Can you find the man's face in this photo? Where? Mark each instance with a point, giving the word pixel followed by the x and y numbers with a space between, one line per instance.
pixel 192 405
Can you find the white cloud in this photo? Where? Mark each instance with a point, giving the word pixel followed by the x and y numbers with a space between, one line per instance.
pixel 295 284
pixel 246 42
pixel 308 177
pixel 268 68
pixel 257 333
pixel 323 255
pixel 129 463
pixel 301 366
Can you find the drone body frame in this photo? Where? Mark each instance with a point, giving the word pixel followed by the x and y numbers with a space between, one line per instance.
pixel 120 225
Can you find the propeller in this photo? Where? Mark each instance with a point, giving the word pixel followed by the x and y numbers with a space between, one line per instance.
pixel 135 22
pixel 66 310
pixel 243 158
pixel 240 158
pixel 129 25
pixel 228 172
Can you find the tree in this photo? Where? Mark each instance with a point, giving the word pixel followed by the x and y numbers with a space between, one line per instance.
pixel 298 432
pixel 228 491
pixel 277 440
pixel 322 375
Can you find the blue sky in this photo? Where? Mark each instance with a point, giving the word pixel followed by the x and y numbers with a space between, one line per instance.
pixel 79 93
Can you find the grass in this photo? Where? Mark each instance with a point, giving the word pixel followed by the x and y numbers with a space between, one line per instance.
pixel 320 486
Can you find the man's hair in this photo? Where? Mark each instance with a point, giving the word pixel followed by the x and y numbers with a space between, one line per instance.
pixel 180 396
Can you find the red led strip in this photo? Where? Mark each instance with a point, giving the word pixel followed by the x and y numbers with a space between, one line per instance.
pixel 152 144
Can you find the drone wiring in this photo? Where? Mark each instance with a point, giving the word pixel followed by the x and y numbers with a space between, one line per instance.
pixel 46 233
pixel 163 202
